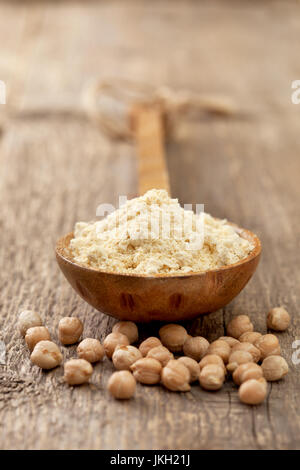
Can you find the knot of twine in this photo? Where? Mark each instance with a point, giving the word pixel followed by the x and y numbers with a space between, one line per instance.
pixel 109 103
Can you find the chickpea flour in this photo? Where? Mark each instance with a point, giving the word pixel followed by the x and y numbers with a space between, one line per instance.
pixel 153 234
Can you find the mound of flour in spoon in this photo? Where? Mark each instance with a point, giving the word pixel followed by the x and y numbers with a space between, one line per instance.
pixel 153 234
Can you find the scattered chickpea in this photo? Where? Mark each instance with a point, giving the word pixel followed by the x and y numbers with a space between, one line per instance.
pixel 124 356
pixel 192 366
pixel 147 370
pixel 112 341
pixel 278 319
pixel 35 334
pixel 248 347
pixel 127 328
pixel 176 376
pixel 173 336
pixel 91 350
pixel 221 348
pixel 247 371
pixel 250 337
pixel 69 330
pixel 77 371
pixel 239 325
pixel 212 359
pixel 46 355
pixel 268 346
pixel 122 385
pixel 212 377
pixel 274 368
pixel 236 358
pixel 28 319
pixel 195 347
pixel 149 343
pixel 230 340
pixel 253 391
pixel 161 354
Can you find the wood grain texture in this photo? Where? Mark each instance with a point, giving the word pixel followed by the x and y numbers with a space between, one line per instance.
pixel 55 168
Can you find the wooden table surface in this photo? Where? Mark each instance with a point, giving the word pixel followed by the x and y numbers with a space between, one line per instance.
pixel 56 167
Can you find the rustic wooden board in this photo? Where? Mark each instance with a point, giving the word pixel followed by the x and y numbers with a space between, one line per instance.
pixel 56 168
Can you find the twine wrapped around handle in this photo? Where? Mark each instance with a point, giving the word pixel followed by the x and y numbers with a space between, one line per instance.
pixel 129 110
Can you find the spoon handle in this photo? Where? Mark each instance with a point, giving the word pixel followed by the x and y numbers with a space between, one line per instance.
pixel 149 137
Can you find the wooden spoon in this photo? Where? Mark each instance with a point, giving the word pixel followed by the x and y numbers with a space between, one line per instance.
pixel 143 298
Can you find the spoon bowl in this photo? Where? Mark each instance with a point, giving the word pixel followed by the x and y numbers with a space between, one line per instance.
pixel 167 298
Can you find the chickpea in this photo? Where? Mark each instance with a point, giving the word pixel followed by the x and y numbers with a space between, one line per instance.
pixel 274 368
pixel 230 340
pixel 268 346
pixel 173 336
pixel 161 354
pixel 253 392
pixel 28 319
pixel 278 319
pixel 46 355
pixel 91 350
pixel 238 357
pixel 195 347
pixel 124 356
pixel 192 366
pixel 176 376
pixel 35 334
pixel 212 359
pixel 149 343
pixel 122 385
pixel 212 377
pixel 239 325
pixel 77 371
pixel 112 341
pixel 147 370
pixel 127 328
pixel 221 348
pixel 247 371
pixel 250 337
pixel 69 330
pixel 248 347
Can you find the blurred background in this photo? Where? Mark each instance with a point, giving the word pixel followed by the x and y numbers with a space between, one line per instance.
pixel 244 51
pixel 57 165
